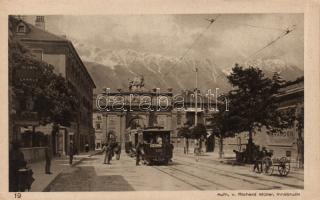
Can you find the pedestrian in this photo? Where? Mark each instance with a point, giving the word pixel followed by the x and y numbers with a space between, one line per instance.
pixel 197 149
pixel 186 145
pixel 20 176
pixel 71 152
pixel 171 147
pixel 108 154
pixel 117 150
pixel 264 152
pixel 48 156
pixel 139 152
pixel 16 162
pixel 108 148
pixel 87 147
pixel 257 156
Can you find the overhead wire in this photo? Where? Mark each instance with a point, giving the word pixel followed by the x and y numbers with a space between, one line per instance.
pixel 194 42
pixel 283 34
pixel 253 26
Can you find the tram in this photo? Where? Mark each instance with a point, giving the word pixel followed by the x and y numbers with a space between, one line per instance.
pixel 156 147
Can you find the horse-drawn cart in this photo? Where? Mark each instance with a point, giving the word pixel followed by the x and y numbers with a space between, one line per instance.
pixel 270 164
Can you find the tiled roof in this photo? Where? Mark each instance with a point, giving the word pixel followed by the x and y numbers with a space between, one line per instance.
pixel 38 34
pixel 34 33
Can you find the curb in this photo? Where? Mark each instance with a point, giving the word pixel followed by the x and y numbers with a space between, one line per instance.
pixel 46 189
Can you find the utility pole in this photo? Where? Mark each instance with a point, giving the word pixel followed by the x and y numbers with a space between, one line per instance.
pixel 196 96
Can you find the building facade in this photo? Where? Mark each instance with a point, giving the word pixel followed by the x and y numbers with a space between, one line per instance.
pixel 59 52
pixel 100 128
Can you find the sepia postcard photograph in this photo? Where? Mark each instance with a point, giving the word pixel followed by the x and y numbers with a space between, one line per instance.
pixel 167 102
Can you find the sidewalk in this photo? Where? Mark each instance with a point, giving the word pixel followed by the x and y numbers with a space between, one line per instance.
pixel 58 165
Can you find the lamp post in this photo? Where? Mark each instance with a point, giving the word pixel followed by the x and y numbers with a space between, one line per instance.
pixel 196 96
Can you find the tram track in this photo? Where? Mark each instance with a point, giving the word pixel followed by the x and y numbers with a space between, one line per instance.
pixel 207 161
pixel 178 178
pixel 174 175
pixel 228 173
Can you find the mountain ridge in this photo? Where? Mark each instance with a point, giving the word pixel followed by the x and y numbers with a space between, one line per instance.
pixel 114 69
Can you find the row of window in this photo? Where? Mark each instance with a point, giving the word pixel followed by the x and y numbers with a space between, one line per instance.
pixel 78 76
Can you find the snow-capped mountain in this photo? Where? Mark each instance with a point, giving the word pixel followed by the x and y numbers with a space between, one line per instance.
pixel 115 68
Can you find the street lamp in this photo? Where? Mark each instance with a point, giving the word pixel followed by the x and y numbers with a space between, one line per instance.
pixel 196 96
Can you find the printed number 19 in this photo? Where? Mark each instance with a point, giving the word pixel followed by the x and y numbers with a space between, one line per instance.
pixel 17 195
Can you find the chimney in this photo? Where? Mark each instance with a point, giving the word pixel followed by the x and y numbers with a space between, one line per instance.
pixel 40 22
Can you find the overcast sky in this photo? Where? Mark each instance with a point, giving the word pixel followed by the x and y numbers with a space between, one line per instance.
pixel 232 38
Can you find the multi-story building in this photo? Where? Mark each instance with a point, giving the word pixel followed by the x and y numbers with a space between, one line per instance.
pixel 59 52
pixel 100 128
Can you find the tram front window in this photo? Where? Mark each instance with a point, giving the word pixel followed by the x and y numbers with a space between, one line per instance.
pixel 153 139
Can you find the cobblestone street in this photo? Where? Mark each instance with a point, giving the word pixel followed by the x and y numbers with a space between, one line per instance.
pixel 184 173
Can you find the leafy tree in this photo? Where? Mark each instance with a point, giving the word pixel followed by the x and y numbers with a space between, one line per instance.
pixel 254 101
pixel 198 131
pixel 31 78
pixel 225 122
pixel 184 132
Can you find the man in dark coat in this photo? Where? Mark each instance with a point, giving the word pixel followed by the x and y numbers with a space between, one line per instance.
pixel 71 152
pixel 48 155
pixel 16 162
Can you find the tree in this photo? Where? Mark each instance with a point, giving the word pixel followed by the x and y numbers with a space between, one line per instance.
pixel 184 132
pixel 254 101
pixel 198 131
pixel 53 100
pixel 225 122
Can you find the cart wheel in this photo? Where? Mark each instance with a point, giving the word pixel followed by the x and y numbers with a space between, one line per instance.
pixel 284 166
pixel 267 167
